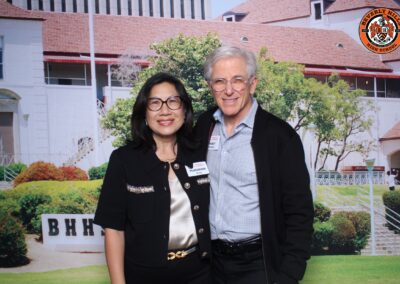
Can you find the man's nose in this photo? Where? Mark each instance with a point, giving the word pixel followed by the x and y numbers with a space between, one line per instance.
pixel 228 88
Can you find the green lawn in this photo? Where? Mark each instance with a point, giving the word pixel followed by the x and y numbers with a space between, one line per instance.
pixel 353 270
pixel 321 270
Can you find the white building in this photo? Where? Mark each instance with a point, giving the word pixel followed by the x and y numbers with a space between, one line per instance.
pixel 182 9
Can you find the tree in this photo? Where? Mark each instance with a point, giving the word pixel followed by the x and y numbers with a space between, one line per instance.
pixel 181 56
pixel 352 119
pixel 126 69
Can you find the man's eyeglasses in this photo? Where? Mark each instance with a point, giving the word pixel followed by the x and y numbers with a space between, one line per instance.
pixel 237 83
pixel 173 103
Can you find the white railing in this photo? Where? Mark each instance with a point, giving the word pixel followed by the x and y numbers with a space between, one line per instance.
pixel 86 145
pixel 353 178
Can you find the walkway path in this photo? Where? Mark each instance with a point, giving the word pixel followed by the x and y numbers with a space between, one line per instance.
pixel 45 259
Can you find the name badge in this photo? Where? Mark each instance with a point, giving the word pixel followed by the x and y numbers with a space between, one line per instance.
pixel 213 145
pixel 198 169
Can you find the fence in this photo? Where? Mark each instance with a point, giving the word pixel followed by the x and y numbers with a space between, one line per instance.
pixel 349 178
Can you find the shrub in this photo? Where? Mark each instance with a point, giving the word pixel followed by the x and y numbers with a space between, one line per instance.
pixel 391 199
pixel 343 235
pixel 73 173
pixel 362 224
pixel 11 206
pixel 98 172
pixel 321 212
pixel 322 237
pixel 12 241
pixel 29 204
pixel 39 171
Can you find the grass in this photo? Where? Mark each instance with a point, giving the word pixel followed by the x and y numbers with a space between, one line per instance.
pixel 353 270
pixel 320 269
pixel 83 275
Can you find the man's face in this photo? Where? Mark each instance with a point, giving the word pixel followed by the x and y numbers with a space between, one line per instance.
pixel 232 88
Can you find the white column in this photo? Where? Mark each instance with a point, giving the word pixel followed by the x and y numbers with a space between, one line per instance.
pixel 69 7
pixel 80 6
pixel 102 7
pixel 35 4
pixel 207 9
pixel 156 8
pixel 167 9
pixel 177 9
pixel 197 9
pixel 46 5
pixel 378 156
pixel 94 86
pixel 57 5
pixel 124 7
pixel 145 7
pixel 114 7
pixel 135 7
pixel 188 9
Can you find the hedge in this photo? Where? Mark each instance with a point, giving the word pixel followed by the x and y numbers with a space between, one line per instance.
pixel 12 241
pixel 391 199
pixel 29 200
pixel 98 172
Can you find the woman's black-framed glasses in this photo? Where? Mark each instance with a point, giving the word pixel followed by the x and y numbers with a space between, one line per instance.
pixel 173 103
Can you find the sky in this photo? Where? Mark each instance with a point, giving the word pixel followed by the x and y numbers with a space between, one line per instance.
pixel 218 7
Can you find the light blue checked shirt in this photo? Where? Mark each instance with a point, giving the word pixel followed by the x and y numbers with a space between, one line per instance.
pixel 234 203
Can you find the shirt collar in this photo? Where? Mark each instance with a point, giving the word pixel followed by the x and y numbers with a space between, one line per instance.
pixel 249 118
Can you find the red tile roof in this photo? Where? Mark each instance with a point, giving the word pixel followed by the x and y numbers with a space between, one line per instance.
pixel 392 134
pixel 11 12
pixel 68 33
pixel 263 11
pixel 393 56
pixel 345 5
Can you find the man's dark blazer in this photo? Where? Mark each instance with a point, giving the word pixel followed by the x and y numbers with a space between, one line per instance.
pixel 284 191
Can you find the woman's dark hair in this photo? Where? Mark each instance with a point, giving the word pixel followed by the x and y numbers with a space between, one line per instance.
pixel 142 134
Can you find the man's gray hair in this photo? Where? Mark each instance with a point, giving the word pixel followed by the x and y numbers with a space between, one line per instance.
pixel 229 52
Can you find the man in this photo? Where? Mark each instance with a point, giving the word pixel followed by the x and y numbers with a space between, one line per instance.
pixel 261 210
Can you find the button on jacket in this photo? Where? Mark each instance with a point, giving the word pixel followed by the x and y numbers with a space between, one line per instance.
pixel 135 198
pixel 286 207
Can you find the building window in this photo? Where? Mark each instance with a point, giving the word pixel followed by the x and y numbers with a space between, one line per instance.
pixel 29 4
pixel 171 5
pixel 317 11
pixel 74 6
pixel 140 8
pixel 393 88
pixel 182 9
pixel 85 6
pixel 203 10
pixel 192 9
pixel 52 5
pixel 63 6
pixel 41 5
pixel 108 7
pixel 119 7
pixel 1 57
pixel 130 7
pixel 151 8
pixel 9 1
pixel 161 8
pixel 97 7
pixel 230 18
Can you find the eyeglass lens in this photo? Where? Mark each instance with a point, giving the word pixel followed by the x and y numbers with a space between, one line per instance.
pixel 173 103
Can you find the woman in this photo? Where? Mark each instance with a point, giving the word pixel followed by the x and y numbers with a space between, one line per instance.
pixel 154 200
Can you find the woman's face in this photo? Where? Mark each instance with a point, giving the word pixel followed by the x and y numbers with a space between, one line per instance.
pixel 165 113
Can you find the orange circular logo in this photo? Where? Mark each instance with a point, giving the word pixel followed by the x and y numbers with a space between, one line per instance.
pixel 379 30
